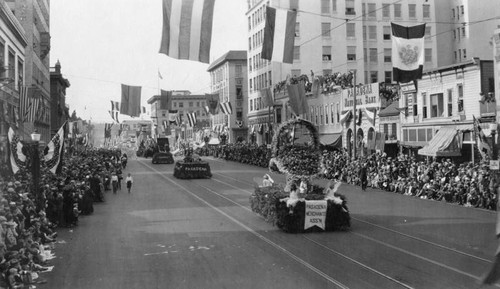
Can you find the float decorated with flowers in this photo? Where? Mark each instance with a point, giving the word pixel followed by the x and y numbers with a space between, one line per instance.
pixel 299 205
pixel 192 167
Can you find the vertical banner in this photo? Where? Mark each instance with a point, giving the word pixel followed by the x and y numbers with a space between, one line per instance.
pixel 131 100
pixel 315 214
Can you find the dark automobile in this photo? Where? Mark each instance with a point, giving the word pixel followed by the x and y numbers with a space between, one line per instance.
pixel 163 158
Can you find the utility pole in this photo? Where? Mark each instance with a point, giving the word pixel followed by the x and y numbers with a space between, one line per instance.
pixel 354 114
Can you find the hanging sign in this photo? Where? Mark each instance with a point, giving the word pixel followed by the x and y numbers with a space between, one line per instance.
pixel 315 214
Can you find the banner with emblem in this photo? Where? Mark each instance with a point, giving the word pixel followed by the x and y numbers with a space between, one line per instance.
pixel 17 159
pixel 407 52
pixel 315 214
pixel 53 152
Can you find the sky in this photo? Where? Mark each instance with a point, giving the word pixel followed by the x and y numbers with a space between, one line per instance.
pixel 102 44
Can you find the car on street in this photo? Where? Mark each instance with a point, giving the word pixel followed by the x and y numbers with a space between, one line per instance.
pixel 163 158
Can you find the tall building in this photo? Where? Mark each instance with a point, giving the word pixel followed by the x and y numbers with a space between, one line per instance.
pixel 13 44
pixel 34 17
pixel 331 36
pixel 184 102
pixel 228 78
pixel 59 111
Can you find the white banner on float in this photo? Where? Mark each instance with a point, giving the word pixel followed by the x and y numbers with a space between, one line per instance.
pixel 315 214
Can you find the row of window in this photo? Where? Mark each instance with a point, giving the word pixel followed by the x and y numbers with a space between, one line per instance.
pixel 257 62
pixel 436 105
pixel 459 11
pixel 8 65
pixel 190 104
pixel 324 114
pixel 459 33
pixel 460 54
pixel 386 10
pixel 260 81
pixel 257 17
pixel 256 40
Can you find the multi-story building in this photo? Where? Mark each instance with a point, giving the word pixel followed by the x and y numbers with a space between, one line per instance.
pixel 34 17
pixel 13 44
pixel 228 78
pixel 496 69
pixel 332 36
pixel 449 96
pixel 59 111
pixel 183 102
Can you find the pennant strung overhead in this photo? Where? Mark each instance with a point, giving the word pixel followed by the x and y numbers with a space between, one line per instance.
pixel 131 100
pixel 226 107
pixel 53 152
pixel 267 96
pixel 17 159
pixel 187 29
pixel 213 103
pixel 165 99
pixel 407 52
pixel 279 35
pixel 297 96
pixel 191 119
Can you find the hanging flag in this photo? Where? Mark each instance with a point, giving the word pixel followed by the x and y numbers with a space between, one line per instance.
pixel 115 105
pixel 159 75
pixel 15 151
pixel 407 52
pixel 297 98
pixel 267 96
pixel 226 107
pixel 207 109
pixel 172 117
pixel 370 116
pixel 481 139
pixel 116 116
pixel 23 101
pixel 53 152
pixel 213 103
pixel 345 116
pixel 165 99
pixel 32 110
pixel 131 100
pixel 191 119
pixel 112 113
pixel 187 29
pixel 279 35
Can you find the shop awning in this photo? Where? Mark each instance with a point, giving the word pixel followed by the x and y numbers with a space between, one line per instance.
pixel 331 139
pixel 446 143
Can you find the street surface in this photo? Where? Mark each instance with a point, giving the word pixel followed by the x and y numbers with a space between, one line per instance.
pixel 171 233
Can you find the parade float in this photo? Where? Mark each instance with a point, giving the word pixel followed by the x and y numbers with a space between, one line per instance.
pixel 299 205
pixel 192 167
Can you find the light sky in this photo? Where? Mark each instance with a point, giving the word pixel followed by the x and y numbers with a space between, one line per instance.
pixel 102 44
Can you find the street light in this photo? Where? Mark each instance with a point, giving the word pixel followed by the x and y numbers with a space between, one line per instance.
pixel 35 168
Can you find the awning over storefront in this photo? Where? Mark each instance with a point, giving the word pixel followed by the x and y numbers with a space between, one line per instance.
pixel 331 139
pixel 446 143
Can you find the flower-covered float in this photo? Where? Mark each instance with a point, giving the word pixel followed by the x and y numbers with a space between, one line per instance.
pixel 299 205
pixel 192 167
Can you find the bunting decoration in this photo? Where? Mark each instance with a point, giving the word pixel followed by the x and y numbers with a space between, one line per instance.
pixel 213 103
pixel 23 101
pixel 187 29
pixel 297 96
pixel 53 153
pixel 407 52
pixel 131 100
pixel 226 107
pixel 191 119
pixel 165 99
pixel 107 130
pixel 481 140
pixel 279 35
pixel 17 159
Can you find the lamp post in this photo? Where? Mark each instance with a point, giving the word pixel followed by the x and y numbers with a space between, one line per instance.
pixel 35 168
pixel 354 115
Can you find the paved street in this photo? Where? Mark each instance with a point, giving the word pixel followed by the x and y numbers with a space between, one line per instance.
pixel 171 233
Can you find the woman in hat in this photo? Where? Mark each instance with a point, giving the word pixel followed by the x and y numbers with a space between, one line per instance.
pixel 129 182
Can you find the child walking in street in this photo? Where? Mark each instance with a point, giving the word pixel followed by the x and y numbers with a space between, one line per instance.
pixel 129 182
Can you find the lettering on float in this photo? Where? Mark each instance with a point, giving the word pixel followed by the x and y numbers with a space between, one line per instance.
pixel 315 214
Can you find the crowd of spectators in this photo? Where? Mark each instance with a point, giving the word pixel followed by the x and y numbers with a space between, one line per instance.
pixel 28 222
pixel 468 184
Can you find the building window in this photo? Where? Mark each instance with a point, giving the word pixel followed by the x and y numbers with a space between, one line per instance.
pixel 296 53
pixel 388 77
pixel 454 34
pixel 249 43
pixel 349 7
pixel 197 104
pixel 452 13
pixel 373 76
pixel 455 52
pixel 278 115
pixel 459 54
pixel 249 23
pixel 387 33
pixel 239 92
pixel 372 13
pixel 463 31
pixel 428 32
pixel 437 105
pixel 350 30
pixel 191 104
pixel 428 55
pixel 174 104
pixel 327 116
pixel 412 10
pixel 238 70
pixel 334 5
pixel 386 12
pixel 327 53
pixel 464 52
pixel 387 55
pixel 251 87
pixel 325 6
pixel 373 55
pixel 320 108
pixel 372 32
pixel 462 9
pixel 239 113
pixel 270 79
pixel 295 72
pixel 332 114
pixel 365 55
pixel 351 53
pixel 297 29
pixel 364 32
pixel 181 104
pixel 249 64
pixel 397 10
pixel 424 105
pixel 450 102
pixel 325 29
pixel 426 10
pixel 337 112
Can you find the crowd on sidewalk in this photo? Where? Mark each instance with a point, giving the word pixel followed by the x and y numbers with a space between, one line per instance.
pixel 28 222
pixel 467 184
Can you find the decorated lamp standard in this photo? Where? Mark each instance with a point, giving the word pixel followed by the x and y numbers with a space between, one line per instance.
pixel 34 154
